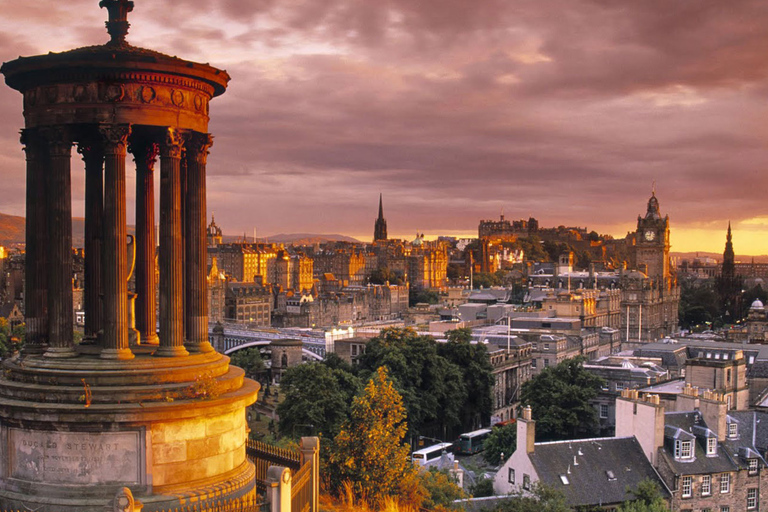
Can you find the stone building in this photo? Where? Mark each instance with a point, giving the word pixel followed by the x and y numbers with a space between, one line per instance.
pixel 380 226
pixel 213 233
pixel 249 303
pixel 511 368
pixel 710 458
pixel 286 353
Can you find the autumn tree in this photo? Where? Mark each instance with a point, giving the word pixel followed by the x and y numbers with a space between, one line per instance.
pixel 560 397
pixel 11 340
pixel 369 452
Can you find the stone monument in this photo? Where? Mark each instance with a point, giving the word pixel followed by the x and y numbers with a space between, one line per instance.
pixel 162 415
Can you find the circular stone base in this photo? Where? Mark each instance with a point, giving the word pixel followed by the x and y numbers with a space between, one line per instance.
pixel 74 431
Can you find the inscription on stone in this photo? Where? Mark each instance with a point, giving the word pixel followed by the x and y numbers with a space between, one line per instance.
pixel 75 457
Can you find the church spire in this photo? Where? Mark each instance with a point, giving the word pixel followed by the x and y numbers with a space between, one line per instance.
pixel 380 227
pixel 729 267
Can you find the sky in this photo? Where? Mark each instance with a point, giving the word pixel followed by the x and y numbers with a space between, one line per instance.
pixel 564 110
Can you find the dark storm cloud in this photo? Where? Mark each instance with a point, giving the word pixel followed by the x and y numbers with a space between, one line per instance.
pixel 566 110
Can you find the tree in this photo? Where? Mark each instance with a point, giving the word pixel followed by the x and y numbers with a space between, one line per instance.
pixel 432 387
pixel 647 499
pixel 369 452
pixel 441 490
pixel 501 440
pixel 249 359
pixel 11 340
pixel 543 499
pixel 317 400
pixel 559 398
pixel 477 375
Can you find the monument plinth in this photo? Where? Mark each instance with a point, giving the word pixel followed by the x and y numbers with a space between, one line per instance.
pixel 164 415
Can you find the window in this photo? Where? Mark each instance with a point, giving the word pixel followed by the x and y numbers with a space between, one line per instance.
pixel 511 477
pixel 526 481
pixel 564 479
pixel 752 466
pixel 706 485
pixel 686 486
pixel 751 499
pixel 603 411
pixel 546 346
pixel 725 483
pixel 711 446
pixel 533 363
pixel 619 386
pixel 733 430
pixel 546 363
pixel 725 508
pixel 683 449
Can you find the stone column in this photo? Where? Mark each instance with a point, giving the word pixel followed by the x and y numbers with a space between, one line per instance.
pixel 59 244
pixel 196 311
pixel 145 153
pixel 171 249
pixel 35 302
pixel 93 156
pixel 114 341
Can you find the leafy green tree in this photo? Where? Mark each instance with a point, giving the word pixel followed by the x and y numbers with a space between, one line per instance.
pixel 532 248
pixel 559 398
pixel 698 305
pixel 477 375
pixel 417 296
pixel 385 275
pixel 501 440
pixel 483 487
pixel 432 387
pixel 369 452
pixel 317 400
pixel 543 499
pixel 249 359
pixel 647 499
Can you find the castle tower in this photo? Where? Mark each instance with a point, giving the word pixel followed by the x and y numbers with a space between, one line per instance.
pixel 165 415
pixel 380 228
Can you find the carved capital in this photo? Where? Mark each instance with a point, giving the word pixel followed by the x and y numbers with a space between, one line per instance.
pixel 58 140
pixel 197 145
pixel 172 145
pixel 115 138
pixel 144 151
pixel 91 149
pixel 31 140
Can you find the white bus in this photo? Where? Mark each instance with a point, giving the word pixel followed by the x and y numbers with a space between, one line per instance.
pixel 426 455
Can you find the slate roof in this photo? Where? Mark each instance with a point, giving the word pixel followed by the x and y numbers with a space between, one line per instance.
pixel 752 437
pixel 682 425
pixel 601 473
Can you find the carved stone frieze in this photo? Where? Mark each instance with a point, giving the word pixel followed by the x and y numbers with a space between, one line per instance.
pixel 153 100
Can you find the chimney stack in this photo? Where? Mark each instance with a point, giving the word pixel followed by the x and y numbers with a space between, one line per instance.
pixel 526 431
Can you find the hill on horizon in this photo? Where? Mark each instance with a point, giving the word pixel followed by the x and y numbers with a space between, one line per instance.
pixel 12 232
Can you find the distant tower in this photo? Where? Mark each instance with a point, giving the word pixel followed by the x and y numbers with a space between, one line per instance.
pixel 729 267
pixel 652 242
pixel 214 234
pixel 728 284
pixel 380 228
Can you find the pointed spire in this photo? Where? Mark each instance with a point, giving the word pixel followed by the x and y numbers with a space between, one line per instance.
pixel 381 207
pixel 380 227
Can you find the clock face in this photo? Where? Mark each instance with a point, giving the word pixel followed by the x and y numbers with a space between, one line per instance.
pixel 650 235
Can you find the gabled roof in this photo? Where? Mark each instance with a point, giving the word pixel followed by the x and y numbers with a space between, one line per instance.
pixel 597 471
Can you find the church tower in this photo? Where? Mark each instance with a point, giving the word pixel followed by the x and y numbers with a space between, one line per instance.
pixel 651 249
pixel 380 228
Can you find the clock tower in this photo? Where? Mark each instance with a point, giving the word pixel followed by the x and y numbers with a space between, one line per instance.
pixel 651 247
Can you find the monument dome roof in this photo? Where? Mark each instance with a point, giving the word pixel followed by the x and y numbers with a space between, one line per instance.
pixel 757 304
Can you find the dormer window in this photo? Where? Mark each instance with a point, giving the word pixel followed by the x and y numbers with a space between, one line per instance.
pixel 711 446
pixel 733 430
pixel 683 449
pixel 753 465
